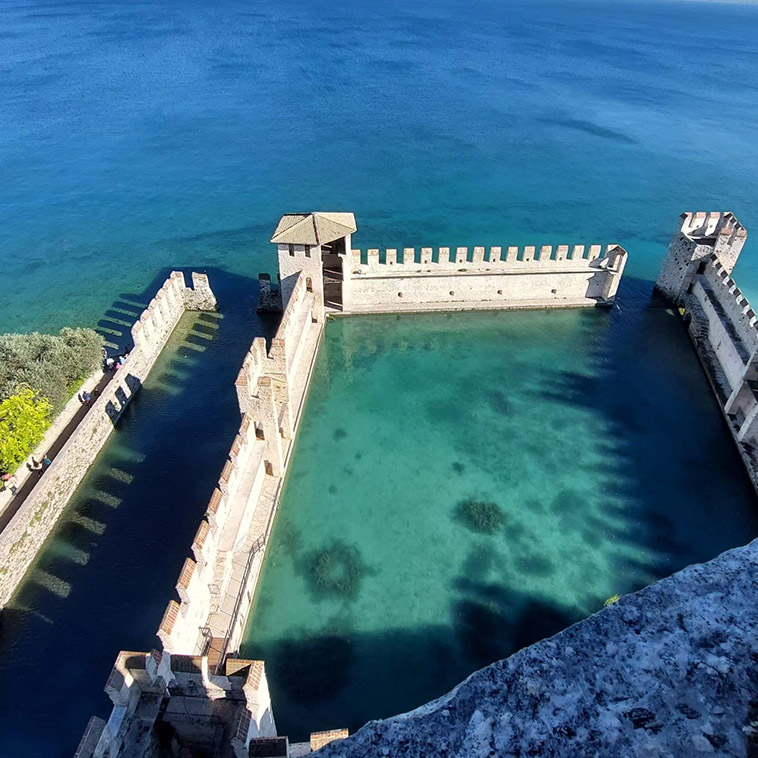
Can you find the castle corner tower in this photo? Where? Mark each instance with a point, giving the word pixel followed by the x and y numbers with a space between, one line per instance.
pixel 317 245
pixel 700 236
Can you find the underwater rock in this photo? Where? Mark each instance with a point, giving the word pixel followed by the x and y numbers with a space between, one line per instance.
pixel 480 516
pixel 336 569
pixel 499 402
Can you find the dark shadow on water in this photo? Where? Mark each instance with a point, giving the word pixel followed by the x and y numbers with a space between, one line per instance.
pixel 670 459
pixel 672 491
pixel 104 577
pixel 343 679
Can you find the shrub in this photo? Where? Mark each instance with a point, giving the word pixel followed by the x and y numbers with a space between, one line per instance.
pixel 24 417
pixel 52 365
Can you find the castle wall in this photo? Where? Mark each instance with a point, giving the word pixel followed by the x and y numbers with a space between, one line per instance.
pixel 700 236
pixel 217 582
pixel 217 714
pixel 722 343
pixel 458 280
pixel 722 324
pixel 30 526
pixel 215 589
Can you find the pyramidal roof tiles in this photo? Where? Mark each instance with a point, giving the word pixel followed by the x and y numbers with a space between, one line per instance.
pixel 313 228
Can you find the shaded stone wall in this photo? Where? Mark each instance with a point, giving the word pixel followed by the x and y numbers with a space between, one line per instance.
pixel 696 276
pixel 30 526
pixel 700 235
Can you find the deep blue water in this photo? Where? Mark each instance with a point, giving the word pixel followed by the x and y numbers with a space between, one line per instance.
pixel 139 136
pixel 135 135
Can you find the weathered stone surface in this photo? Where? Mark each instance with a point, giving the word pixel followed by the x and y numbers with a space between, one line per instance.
pixel 669 671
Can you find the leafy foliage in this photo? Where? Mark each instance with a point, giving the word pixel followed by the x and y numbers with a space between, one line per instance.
pixel 52 365
pixel 24 417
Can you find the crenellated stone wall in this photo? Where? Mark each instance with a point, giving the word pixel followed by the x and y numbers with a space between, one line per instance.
pixel 217 581
pixel 696 276
pixel 218 714
pixel 458 279
pixel 216 584
pixel 700 235
pixel 32 523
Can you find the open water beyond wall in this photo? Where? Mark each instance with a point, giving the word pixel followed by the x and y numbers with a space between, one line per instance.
pixel 608 471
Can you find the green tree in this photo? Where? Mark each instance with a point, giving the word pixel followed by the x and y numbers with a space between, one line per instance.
pixel 52 364
pixel 24 417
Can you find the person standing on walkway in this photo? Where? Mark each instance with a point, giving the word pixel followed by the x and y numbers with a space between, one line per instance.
pixel 9 482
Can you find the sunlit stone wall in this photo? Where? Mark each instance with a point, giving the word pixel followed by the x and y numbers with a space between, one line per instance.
pixel 495 279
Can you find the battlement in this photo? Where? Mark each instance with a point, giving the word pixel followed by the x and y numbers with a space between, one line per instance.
pixel 465 278
pixel 696 277
pixel 227 551
pixel 736 307
pixel 482 259
pixel 701 225
pixel 171 300
pixel 198 705
pixel 700 236
pixel 19 542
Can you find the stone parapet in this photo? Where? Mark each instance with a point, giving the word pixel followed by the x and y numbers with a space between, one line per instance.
pixel 696 276
pixel 464 259
pixel 215 585
pixel 699 236
pixel 477 278
pixel 155 693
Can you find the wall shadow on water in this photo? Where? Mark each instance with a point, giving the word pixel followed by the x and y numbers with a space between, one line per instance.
pixel 104 577
pixel 343 679
pixel 672 491
pixel 675 491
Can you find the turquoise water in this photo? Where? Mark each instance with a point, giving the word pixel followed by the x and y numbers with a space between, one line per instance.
pixel 136 136
pixel 609 473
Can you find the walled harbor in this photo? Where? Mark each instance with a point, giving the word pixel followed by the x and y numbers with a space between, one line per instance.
pixel 217 583
pixel 197 672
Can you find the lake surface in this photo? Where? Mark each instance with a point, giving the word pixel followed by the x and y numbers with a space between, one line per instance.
pixel 140 136
pixel 382 589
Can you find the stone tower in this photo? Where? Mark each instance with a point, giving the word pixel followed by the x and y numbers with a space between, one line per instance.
pixel 316 245
pixel 700 235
